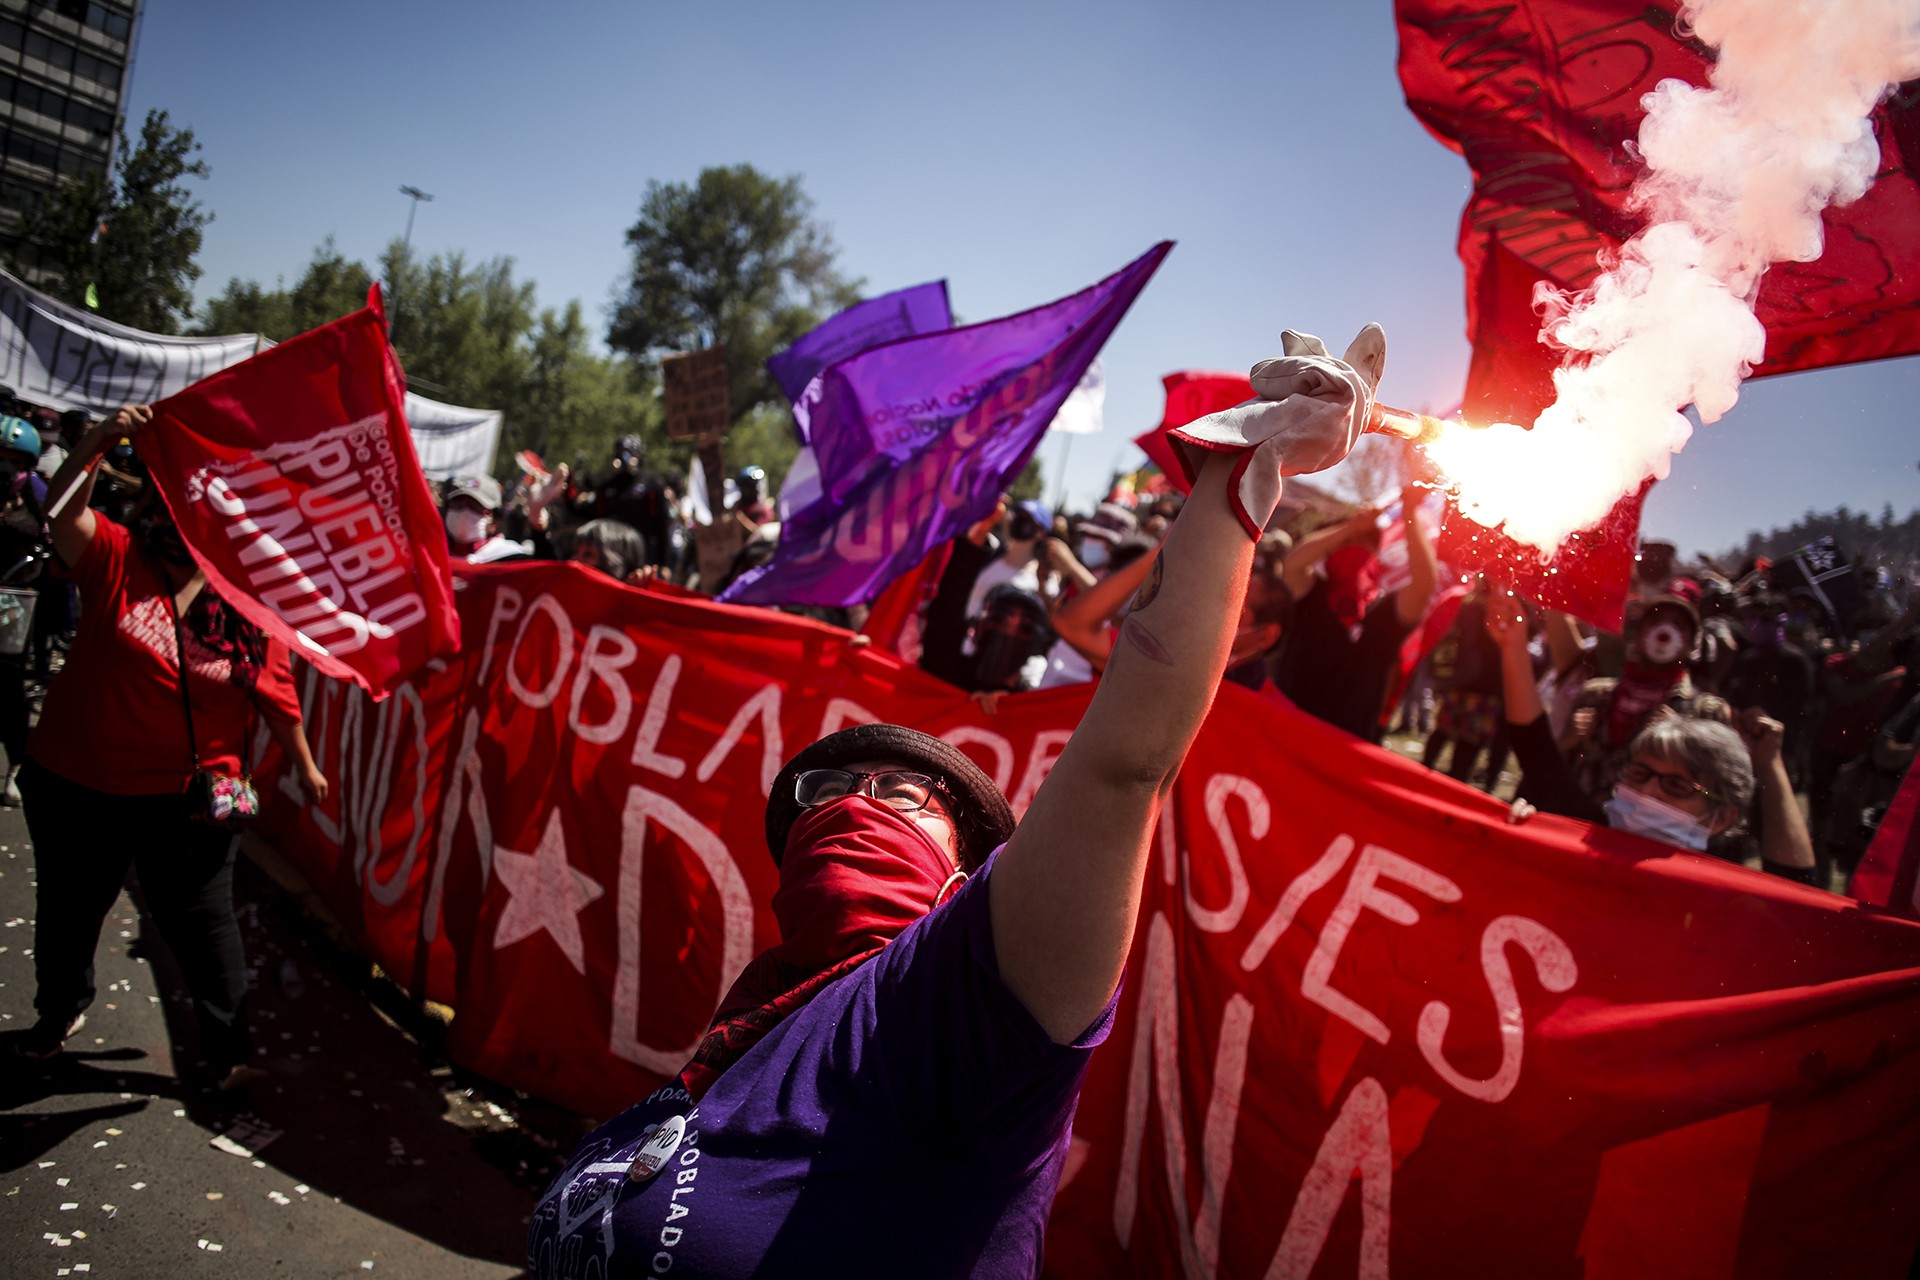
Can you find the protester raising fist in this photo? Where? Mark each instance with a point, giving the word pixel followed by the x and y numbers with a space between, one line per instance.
pixel 942 975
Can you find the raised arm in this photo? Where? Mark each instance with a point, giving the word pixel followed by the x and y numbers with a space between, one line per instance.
pixel 1411 601
pixel 1786 844
pixel 1059 557
pixel 1507 628
pixel 1297 570
pixel 1067 886
pixel 1081 621
pixel 1547 781
pixel 1563 641
pixel 71 520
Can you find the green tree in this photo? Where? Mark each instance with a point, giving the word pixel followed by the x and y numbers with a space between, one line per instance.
pixel 330 287
pixel 735 257
pixel 470 335
pixel 577 403
pixel 141 267
pixel 1030 483
pixel 461 331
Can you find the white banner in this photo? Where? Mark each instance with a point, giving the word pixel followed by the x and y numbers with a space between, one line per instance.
pixel 53 355
pixel 451 440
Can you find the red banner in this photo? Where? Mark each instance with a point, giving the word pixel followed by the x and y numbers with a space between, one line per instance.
pixel 1889 873
pixel 292 476
pixel 1368 1025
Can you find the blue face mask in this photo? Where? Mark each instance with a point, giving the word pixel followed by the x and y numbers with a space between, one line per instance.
pixel 1640 814
pixel 1093 553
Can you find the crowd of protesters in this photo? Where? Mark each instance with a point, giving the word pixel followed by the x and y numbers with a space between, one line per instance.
pixel 1761 712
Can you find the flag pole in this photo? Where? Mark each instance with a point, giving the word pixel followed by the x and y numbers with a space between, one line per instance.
pixel 1066 451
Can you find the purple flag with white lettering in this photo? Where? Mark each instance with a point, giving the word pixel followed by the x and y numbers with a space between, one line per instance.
pixel 923 308
pixel 924 434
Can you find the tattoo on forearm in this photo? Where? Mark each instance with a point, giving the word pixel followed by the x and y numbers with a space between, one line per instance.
pixel 1149 588
pixel 1146 642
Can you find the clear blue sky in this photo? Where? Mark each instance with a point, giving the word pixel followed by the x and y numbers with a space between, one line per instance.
pixel 1020 151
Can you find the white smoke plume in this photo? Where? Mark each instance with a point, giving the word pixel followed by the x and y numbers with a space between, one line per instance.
pixel 1736 176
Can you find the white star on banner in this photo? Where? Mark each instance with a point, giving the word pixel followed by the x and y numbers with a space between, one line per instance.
pixel 544 892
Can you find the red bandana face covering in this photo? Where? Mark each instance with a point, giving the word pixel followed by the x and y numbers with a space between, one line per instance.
pixel 854 876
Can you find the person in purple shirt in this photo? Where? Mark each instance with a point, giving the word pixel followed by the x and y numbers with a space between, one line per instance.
pixel 890 1090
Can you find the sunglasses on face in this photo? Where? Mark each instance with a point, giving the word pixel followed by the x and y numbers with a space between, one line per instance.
pixel 898 789
pixel 1675 786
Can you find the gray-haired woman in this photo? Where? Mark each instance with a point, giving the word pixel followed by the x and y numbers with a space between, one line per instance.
pixel 1686 780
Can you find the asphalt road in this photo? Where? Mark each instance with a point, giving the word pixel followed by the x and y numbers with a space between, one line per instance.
pixel 363 1152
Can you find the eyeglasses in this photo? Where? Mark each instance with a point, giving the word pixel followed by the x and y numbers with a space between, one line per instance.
pixel 898 789
pixel 1675 786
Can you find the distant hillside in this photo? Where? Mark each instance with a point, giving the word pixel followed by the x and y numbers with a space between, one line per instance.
pixel 1886 541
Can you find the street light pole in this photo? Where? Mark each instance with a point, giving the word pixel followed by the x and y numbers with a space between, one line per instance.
pixel 416 195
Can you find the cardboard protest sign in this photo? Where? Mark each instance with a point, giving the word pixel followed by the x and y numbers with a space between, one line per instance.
pixel 695 387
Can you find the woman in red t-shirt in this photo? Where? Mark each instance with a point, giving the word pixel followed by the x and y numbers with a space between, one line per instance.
pixel 109 765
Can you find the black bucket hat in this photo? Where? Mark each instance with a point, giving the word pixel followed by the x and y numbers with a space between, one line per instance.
pixel 982 817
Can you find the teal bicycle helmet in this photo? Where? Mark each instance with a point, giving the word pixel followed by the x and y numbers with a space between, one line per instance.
pixel 17 435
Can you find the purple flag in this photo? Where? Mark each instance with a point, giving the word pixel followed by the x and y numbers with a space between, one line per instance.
pixel 900 314
pixel 925 433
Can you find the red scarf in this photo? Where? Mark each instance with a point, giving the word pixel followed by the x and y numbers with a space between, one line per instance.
pixel 855 875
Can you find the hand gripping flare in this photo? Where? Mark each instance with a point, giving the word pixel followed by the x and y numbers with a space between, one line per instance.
pixel 1309 412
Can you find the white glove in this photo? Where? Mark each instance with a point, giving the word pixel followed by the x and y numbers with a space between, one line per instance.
pixel 1310 411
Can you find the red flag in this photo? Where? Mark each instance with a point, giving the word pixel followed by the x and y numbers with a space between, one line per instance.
pixel 293 478
pixel 1889 875
pixel 1588 577
pixel 893 623
pixel 1542 98
pixel 1190 394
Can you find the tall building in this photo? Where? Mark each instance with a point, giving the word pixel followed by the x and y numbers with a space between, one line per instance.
pixel 65 68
